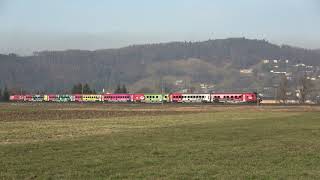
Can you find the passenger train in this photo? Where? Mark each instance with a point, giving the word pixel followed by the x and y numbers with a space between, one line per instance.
pixel 234 98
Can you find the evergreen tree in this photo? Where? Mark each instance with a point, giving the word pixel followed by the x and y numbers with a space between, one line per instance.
pixel 124 89
pixel 118 90
pixel 77 89
pixel 86 89
pixel 6 95
pixel 0 94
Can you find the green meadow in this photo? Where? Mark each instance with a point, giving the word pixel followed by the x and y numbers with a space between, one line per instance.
pixel 107 141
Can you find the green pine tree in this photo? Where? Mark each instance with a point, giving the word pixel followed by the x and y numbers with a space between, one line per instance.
pixel 118 90
pixel 77 89
pixel 0 94
pixel 6 95
pixel 86 89
pixel 124 89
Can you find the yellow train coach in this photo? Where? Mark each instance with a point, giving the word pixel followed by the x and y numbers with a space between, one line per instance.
pixel 91 98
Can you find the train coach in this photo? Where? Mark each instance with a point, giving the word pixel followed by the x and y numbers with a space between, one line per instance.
pixel 16 98
pixel 234 98
pixel 37 98
pixel 137 98
pixel 176 97
pixel 51 98
pixel 196 98
pixel 64 98
pixel 156 98
pixel 113 98
pixel 91 98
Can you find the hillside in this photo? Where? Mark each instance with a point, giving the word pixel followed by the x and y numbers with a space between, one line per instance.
pixel 147 67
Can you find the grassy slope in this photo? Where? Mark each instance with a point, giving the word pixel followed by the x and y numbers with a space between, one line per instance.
pixel 224 144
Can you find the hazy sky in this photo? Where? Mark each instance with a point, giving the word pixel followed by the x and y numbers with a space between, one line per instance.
pixel 32 25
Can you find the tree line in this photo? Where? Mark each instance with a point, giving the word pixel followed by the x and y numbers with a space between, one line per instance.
pixel 4 95
pixel 85 89
pixel 82 89
pixel 305 90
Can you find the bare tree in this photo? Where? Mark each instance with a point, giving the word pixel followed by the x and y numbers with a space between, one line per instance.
pixel 283 89
pixel 304 88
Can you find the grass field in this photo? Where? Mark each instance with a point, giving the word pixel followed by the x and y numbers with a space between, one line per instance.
pixel 89 141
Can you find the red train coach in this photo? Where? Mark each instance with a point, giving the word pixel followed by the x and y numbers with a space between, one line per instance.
pixel 175 97
pixel 76 98
pixel 117 97
pixel 137 97
pixel 234 97
pixel 17 98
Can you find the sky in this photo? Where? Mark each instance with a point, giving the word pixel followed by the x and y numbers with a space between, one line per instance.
pixel 35 25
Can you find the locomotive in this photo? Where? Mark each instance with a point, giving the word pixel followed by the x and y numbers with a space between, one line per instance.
pixel 231 98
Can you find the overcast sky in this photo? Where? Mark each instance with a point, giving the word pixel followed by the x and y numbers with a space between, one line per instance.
pixel 34 25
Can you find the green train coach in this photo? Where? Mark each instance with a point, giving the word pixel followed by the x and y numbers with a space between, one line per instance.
pixel 156 98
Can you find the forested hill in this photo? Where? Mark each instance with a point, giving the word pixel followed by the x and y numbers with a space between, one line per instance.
pixel 140 66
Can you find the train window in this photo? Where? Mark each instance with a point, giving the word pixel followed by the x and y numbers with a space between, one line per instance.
pixel 231 96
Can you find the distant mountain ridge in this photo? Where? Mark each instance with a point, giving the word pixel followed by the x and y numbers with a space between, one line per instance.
pixel 144 66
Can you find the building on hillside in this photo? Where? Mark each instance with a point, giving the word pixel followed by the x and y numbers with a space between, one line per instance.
pixel 266 61
pixel 246 71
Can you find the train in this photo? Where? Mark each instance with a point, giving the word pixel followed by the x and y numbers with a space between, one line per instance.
pixel 231 98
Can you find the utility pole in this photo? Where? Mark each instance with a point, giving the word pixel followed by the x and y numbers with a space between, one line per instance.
pixel 82 89
pixel 258 99
pixel 162 94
